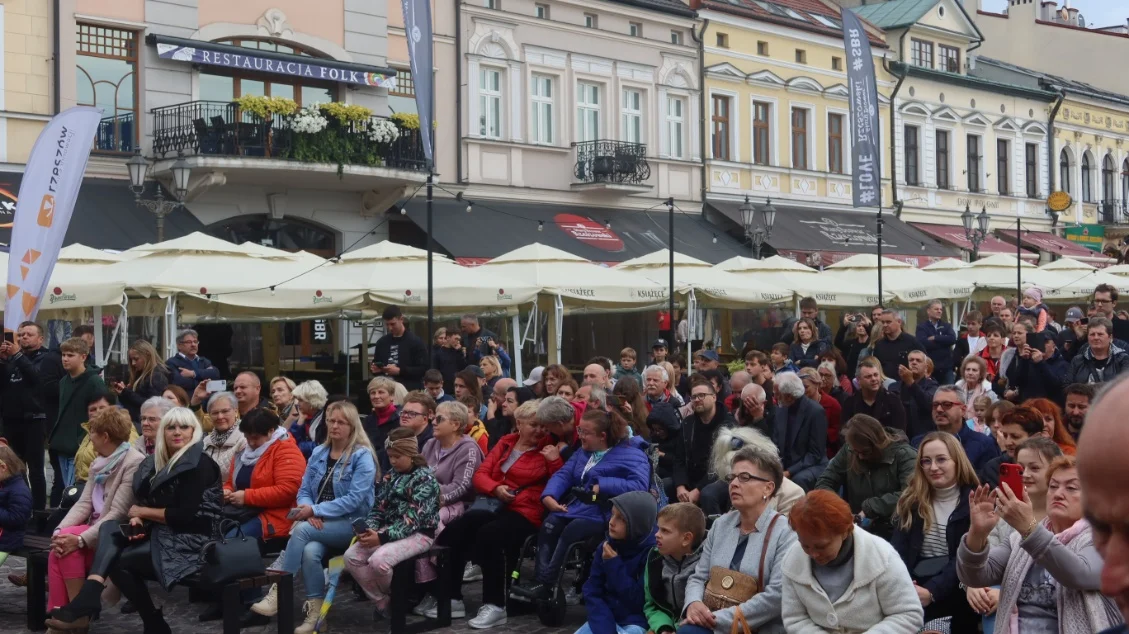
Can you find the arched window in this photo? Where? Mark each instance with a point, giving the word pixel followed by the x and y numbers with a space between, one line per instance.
pixel 1064 172
pixel 1108 183
pixel 218 83
pixel 1087 184
pixel 1125 181
pixel 288 234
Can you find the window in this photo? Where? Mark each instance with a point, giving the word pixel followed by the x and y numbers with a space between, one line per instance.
pixel 720 121
pixel 1087 186
pixel 405 85
pixel 1003 167
pixel 541 11
pixel 943 179
pixel 912 155
pixel 800 138
pixel 492 4
pixel 107 80
pixel 490 103
pixel 1031 169
pixel 1125 181
pixel 922 53
pixel 221 84
pixel 1108 186
pixel 676 37
pixel 723 40
pixel 675 118
pixel 588 112
pixel 973 163
pixel 950 58
pixel 633 116
pixel 1064 172
pixel 762 49
pixel 836 63
pixel 762 133
pixel 635 29
pixel 542 119
pixel 835 143
pixel 801 56
pixel 591 20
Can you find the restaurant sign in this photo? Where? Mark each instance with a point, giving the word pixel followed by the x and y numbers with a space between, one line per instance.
pixel 307 68
pixel 1090 236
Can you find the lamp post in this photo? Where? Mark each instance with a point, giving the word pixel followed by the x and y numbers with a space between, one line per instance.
pixel 975 234
pixel 758 235
pixel 139 168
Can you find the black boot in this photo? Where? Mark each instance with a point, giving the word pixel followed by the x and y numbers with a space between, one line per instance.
pixel 81 610
pixel 155 623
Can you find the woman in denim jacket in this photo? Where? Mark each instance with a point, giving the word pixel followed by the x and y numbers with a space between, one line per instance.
pixel 337 488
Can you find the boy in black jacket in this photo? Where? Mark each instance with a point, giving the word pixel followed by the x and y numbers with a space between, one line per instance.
pixel 666 432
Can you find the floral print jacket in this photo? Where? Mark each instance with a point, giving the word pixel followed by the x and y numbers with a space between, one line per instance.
pixel 406 504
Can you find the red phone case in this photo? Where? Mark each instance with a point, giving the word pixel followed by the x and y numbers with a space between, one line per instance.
pixel 1012 474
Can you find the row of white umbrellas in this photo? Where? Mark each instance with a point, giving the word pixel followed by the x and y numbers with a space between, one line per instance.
pixel 212 277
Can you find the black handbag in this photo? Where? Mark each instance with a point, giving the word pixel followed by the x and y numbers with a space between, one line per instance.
pixel 929 567
pixel 229 558
pixel 489 503
pixel 240 514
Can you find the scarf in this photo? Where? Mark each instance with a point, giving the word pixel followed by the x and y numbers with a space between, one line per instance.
pixel 384 415
pixel 312 429
pixel 219 438
pixel 248 457
pixel 1079 612
pixel 102 467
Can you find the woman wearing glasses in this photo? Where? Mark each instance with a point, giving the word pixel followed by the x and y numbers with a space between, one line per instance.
pixel 225 440
pixel 740 541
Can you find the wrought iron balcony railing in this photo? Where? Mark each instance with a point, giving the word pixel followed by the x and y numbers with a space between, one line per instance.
pixel 1108 213
pixel 604 161
pixel 217 128
pixel 116 134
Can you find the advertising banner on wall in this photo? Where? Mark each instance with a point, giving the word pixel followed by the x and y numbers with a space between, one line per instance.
pixel 417 26
pixel 1090 236
pixel 866 150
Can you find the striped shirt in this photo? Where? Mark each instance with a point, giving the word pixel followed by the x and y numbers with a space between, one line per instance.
pixel 944 503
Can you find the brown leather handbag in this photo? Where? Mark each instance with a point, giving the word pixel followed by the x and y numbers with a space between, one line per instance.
pixel 728 588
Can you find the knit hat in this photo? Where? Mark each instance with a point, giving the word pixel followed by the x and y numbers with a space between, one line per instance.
pixel 1034 293
pixel 640 512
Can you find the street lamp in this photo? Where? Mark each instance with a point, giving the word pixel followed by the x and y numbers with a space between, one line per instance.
pixel 757 235
pixel 138 168
pixel 975 234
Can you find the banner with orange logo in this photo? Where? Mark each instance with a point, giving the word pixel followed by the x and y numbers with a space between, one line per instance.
pixel 43 210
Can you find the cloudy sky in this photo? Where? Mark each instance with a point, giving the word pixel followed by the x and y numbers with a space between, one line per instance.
pixel 1097 12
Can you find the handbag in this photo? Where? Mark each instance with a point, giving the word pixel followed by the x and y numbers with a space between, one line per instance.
pixel 926 569
pixel 229 558
pixel 728 588
pixel 489 503
pixel 240 514
pixel 740 624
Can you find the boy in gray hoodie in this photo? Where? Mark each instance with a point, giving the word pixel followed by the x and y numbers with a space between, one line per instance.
pixel 682 527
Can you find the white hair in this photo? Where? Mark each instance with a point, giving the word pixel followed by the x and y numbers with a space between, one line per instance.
pixel 159 403
pixel 754 390
pixel 789 383
pixel 180 416
pixel 830 367
pixel 729 440
pixel 657 368
pixel 313 392
pixel 223 396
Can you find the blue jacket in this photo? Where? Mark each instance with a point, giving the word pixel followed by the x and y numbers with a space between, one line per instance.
pixel 940 350
pixel 300 430
pixel 809 359
pixel 15 512
pixel 614 593
pixel 624 468
pixel 980 448
pixel 202 367
pixel 353 484
pixel 908 544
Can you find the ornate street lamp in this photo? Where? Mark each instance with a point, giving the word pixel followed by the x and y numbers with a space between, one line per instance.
pixel 975 234
pixel 138 168
pixel 757 235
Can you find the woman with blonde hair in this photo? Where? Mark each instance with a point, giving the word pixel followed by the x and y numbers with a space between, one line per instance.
pixel 148 377
pixel 931 517
pixel 282 395
pixel 15 500
pixel 309 430
pixel 492 369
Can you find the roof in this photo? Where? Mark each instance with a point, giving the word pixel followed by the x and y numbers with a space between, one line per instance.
pixel 815 16
pixel 975 82
pixel 895 13
pixel 994 69
pixel 677 7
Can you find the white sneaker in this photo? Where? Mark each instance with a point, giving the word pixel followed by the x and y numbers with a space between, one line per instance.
pixel 572 597
pixel 458 610
pixel 426 605
pixel 268 606
pixel 488 616
pixel 472 573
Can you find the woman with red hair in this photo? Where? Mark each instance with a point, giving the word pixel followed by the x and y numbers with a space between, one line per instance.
pixel 1052 423
pixel 838 577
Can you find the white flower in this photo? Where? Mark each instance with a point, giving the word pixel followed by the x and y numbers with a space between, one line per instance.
pixel 308 120
pixel 383 131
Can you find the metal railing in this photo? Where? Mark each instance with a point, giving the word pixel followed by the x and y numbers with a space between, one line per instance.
pixel 218 128
pixel 604 161
pixel 116 134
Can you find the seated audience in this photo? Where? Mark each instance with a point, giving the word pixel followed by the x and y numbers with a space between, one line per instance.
pixel 1017 426
pixel 874 399
pixel 799 431
pixel 282 397
pixel 807 346
pixel 176 395
pixel 1078 397
pixel 385 416
pixel 948 416
pixel 1053 426
pixel 475 429
pixel 152 411
pixel 839 577
pixel 264 477
pixel 433 383
pixel 95 405
pixel 699 430
pixel 632 405
pixel 678 546
pixel 974 383
pixel 666 432
pixel 715 496
pixel 310 429
pixel 15 500
pixel 225 439
pixel 832 410
pixel 754 409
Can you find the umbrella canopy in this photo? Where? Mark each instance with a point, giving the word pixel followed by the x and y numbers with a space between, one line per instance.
pixel 804 281
pixel 948 264
pixel 1120 270
pixel 712 287
pixel 998 273
pixel 80 280
pixel 909 284
pixel 1081 278
pixel 581 285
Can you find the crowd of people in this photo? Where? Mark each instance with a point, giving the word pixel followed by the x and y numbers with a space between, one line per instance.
pixel 867 480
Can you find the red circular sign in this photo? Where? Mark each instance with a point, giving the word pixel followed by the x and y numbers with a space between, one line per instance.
pixel 203 290
pixel 586 230
pixel 317 293
pixel 58 291
pixel 501 291
pixel 408 293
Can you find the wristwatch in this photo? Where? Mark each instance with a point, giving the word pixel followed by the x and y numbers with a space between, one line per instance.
pixel 81 542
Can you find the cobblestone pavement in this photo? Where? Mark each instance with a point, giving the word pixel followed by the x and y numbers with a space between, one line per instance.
pixel 347 615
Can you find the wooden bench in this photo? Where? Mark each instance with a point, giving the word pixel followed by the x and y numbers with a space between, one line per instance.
pixel 233 606
pixel 403 583
pixel 35 551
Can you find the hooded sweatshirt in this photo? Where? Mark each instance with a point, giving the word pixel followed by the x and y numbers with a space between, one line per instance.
pixel 454 468
pixel 664 419
pixel 614 594
pixel 664 583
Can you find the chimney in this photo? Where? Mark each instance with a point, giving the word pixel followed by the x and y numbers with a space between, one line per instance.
pixel 1049 10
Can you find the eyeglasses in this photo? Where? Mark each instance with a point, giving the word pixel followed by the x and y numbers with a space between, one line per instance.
pixel 744 478
pixel 941 461
pixel 580 431
pixel 222 412
pixel 701 396
pixel 410 415
pixel 1103 301
pixel 945 406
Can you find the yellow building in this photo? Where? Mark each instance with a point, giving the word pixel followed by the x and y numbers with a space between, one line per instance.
pixel 25 103
pixel 778 128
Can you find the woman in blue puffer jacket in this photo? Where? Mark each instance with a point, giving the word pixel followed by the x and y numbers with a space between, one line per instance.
pixel 576 496
pixel 15 500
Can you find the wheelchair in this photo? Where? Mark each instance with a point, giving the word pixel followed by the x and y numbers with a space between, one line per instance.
pixel 577 560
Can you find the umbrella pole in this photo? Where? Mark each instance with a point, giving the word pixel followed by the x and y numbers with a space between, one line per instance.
pixel 430 283
pixel 519 343
pixel 878 226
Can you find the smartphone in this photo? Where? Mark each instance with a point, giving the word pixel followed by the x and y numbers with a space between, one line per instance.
pixel 1012 474
pixel 218 385
pixel 292 515
pixel 360 526
pixel 614 401
pixel 128 530
pixel 9 336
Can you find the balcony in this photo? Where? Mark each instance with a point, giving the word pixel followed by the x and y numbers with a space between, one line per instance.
pixel 1113 212
pixel 115 134
pixel 611 166
pixel 245 147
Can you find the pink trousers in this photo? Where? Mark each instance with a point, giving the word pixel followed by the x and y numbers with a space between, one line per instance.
pixel 59 569
pixel 425 570
pixel 372 568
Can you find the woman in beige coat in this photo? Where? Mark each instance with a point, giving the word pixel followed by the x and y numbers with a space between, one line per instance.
pixel 107 496
pixel 225 439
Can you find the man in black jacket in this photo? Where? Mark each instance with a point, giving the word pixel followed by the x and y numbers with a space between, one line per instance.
pixel 29 379
pixel 916 389
pixel 895 345
pixel 874 400
pixel 698 433
pixel 400 354
pixel 476 339
pixel 799 431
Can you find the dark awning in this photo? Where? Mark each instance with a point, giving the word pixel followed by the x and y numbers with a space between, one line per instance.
pixel 836 235
pixel 302 66
pixel 954 236
pixel 1053 244
pixel 497 227
pixel 105 216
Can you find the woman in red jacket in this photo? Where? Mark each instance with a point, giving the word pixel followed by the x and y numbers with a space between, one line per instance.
pixel 509 481
pixel 264 478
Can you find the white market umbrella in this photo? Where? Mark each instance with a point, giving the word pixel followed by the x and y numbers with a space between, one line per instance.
pixel 580 284
pixel 79 280
pixel 804 281
pixel 998 273
pixel 945 265
pixel 910 285
pixel 1120 270
pixel 713 288
pixel 1081 278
